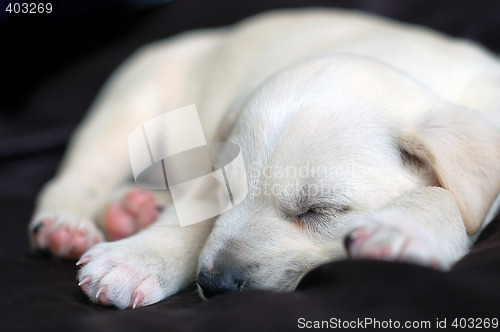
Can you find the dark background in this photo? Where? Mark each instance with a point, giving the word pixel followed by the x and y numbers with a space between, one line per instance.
pixel 52 67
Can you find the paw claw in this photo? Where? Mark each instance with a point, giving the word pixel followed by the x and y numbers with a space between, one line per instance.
pixel 102 297
pixel 349 240
pixel 83 260
pixel 85 280
pixel 138 300
pixel 37 228
pixel 99 293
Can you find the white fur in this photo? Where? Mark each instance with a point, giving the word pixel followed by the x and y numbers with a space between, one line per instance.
pixel 343 91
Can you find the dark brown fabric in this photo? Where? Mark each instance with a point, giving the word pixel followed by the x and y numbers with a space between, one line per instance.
pixel 52 68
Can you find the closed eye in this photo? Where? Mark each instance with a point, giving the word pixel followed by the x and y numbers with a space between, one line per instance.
pixel 320 213
pixel 311 213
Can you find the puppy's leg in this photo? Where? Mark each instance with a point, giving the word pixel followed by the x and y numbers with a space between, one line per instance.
pixel 423 226
pixel 146 267
pixel 97 161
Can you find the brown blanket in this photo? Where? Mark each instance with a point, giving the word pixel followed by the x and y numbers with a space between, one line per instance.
pixel 52 68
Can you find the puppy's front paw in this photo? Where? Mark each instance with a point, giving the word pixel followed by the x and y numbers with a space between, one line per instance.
pixel 391 240
pixel 63 234
pixel 123 274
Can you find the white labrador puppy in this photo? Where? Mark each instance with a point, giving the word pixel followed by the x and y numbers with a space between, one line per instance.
pixel 404 120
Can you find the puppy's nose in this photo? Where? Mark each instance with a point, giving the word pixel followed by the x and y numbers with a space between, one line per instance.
pixel 213 284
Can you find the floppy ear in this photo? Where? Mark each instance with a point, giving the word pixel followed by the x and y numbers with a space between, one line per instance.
pixel 463 150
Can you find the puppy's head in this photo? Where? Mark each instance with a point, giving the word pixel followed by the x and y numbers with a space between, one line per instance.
pixel 325 143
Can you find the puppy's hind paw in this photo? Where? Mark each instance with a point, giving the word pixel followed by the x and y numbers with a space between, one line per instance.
pixel 63 235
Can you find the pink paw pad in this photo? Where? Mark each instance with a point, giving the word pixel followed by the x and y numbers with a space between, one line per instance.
pixel 136 211
pixel 375 243
pixel 68 239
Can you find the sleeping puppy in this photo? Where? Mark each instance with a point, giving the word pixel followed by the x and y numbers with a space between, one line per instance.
pixel 403 122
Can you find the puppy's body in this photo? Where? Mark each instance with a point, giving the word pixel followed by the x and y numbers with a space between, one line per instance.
pixel 404 121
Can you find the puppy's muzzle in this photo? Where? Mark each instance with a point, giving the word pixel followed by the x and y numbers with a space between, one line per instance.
pixel 225 280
